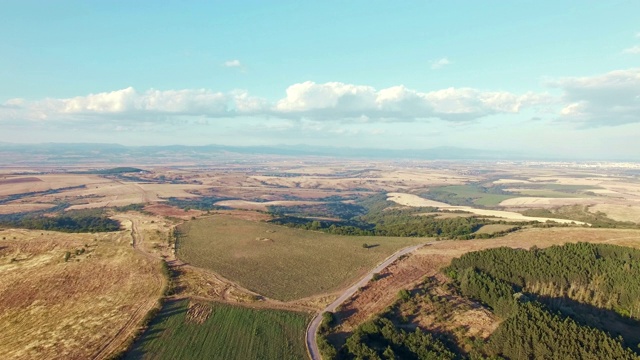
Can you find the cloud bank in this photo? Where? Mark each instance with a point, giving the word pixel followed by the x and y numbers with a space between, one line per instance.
pixel 604 100
pixel 308 100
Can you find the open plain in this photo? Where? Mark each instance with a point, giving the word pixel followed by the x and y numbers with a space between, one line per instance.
pixel 211 226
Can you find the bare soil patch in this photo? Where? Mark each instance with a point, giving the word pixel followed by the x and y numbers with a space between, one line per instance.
pixel 198 312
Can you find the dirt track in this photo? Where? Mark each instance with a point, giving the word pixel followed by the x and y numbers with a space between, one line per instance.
pixel 312 330
pixel 130 328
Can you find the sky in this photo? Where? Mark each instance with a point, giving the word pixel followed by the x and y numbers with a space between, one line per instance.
pixel 536 77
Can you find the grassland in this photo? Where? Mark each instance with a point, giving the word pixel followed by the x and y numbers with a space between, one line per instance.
pixel 73 309
pixel 467 195
pixel 222 332
pixel 553 190
pixel 493 228
pixel 547 193
pixel 580 213
pixel 618 212
pixel 280 262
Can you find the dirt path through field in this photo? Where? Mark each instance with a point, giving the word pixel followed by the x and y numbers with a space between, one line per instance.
pixel 130 328
pixel 312 330
pixel 428 261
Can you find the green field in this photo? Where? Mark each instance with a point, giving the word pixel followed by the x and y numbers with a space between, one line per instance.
pixel 281 262
pixel 548 193
pixel 493 228
pixel 467 195
pixel 553 190
pixel 230 332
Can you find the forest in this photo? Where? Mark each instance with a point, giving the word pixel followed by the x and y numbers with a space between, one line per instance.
pixel 375 216
pixel 587 308
pixel 69 221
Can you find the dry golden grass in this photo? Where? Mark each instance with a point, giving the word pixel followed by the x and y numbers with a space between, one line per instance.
pixel 378 180
pixel 618 212
pixel 52 309
pixel 24 184
pixel 16 207
pixel 417 201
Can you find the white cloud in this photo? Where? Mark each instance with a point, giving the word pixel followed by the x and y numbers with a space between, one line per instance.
pixel 336 100
pixel 14 103
pixel 332 101
pixel 309 97
pixel 129 101
pixel 603 100
pixel 632 50
pixel 232 63
pixel 440 63
pixel 247 104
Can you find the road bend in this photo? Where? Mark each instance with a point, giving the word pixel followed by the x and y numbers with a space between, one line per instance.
pixel 312 329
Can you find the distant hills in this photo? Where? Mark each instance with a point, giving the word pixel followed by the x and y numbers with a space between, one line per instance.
pixel 69 153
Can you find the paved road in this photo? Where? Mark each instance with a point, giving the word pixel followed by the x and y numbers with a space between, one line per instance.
pixel 312 330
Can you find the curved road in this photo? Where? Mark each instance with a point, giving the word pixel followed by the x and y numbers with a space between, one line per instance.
pixel 312 330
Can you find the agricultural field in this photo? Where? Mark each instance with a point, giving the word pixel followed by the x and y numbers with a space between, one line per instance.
pixel 466 195
pixel 417 201
pixel 493 228
pixel 202 330
pixel 618 212
pixel 280 262
pixel 72 296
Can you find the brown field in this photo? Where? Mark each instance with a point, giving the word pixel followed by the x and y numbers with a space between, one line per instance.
pixel 13 208
pixel 87 306
pixel 618 212
pixel 375 180
pixel 18 180
pixel 21 184
pixel 172 211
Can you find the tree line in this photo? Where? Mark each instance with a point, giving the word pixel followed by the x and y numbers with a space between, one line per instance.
pixel 71 221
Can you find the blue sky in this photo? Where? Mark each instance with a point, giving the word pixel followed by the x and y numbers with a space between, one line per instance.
pixel 542 77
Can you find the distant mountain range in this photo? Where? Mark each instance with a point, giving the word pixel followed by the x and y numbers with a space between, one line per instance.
pixel 60 153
